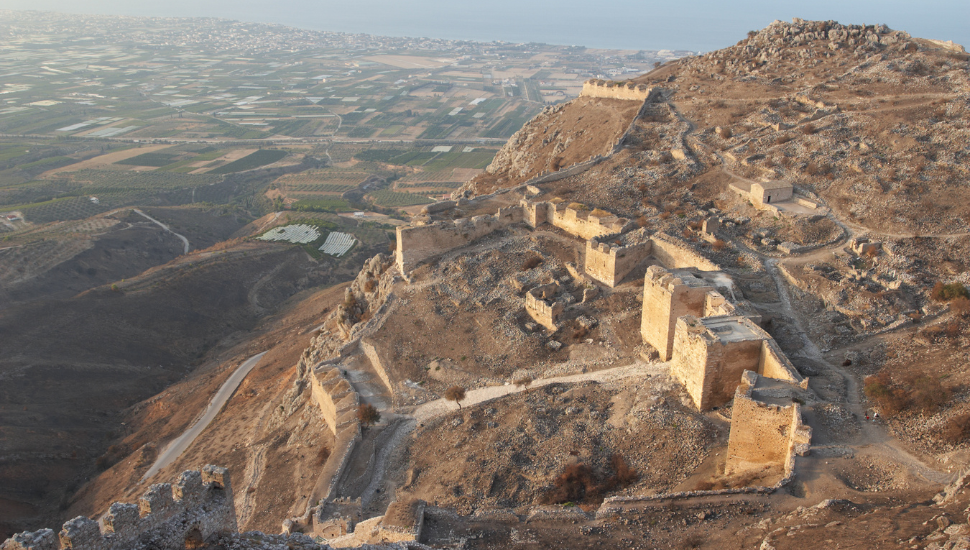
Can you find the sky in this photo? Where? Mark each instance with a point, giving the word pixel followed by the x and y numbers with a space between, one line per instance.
pixel 698 25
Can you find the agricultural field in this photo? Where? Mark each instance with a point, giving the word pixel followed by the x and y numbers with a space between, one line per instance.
pixel 394 199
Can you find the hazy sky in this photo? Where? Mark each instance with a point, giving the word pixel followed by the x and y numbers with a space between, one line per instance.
pixel 635 24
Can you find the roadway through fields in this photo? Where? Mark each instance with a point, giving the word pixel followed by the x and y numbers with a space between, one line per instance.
pixel 178 446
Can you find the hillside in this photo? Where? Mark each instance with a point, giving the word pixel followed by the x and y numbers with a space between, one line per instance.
pixel 722 305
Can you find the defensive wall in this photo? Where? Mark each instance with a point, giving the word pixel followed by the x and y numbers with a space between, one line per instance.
pixel 541 305
pixel 609 89
pixel 417 243
pixel 710 354
pixel 668 296
pixel 574 218
pixel 610 258
pixel 765 430
pixel 198 506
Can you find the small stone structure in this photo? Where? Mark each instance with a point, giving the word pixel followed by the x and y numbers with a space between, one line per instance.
pixel 198 506
pixel 710 355
pixel 862 246
pixel 767 192
pixel 615 90
pixel 541 305
pixel 766 427
pixel 402 522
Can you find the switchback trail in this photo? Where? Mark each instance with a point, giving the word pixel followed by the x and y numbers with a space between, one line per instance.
pixel 178 445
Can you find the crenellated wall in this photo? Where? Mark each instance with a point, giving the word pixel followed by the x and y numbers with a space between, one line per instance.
pixel 417 243
pixel 615 90
pixel 610 258
pixel 574 219
pixel 762 433
pixel 667 297
pixel 198 506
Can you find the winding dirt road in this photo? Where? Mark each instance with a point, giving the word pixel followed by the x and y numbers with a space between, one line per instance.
pixel 178 445
pixel 166 228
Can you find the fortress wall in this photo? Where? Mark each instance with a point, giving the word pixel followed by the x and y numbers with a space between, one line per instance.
pixel 577 222
pixel 335 396
pixel 763 434
pixel 775 364
pixel 674 254
pixel 708 367
pixel 375 360
pixel 199 504
pixel 418 243
pixel 609 264
pixel 665 299
pixel 613 90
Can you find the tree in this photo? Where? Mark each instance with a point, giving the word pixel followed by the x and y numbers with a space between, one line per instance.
pixel 368 414
pixel 523 382
pixel 456 394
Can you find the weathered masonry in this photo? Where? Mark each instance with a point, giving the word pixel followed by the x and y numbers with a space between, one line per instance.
pixel 766 427
pixel 167 517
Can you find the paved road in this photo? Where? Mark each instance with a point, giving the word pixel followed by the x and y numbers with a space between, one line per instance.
pixel 166 228
pixel 175 449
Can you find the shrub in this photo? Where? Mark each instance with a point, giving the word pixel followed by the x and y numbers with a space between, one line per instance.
pixel 322 455
pixel 368 414
pixel 725 133
pixel 369 285
pixel 919 390
pixel 880 390
pixel 574 484
pixel 808 129
pixel 945 293
pixel 960 306
pixel 957 429
pixel 523 382
pixel 532 261
pixel 719 245
pixel 642 221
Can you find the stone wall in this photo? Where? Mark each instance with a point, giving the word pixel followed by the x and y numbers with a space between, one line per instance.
pixel 542 307
pixel 610 258
pixel 712 353
pixel 615 90
pixel 710 368
pixel 198 506
pixel 764 434
pixel 417 243
pixel 577 221
pixel 335 396
pixel 675 254
pixel 665 299
pixel 375 360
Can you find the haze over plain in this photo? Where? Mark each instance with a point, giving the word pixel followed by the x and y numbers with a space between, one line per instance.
pixel 626 24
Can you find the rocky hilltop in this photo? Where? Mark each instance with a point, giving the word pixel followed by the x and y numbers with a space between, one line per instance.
pixel 721 305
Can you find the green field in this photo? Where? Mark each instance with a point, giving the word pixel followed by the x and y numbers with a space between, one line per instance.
pixel 395 199
pixel 322 205
pixel 251 161
pixel 149 159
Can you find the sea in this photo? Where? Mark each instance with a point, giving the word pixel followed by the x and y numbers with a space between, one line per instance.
pixel 695 25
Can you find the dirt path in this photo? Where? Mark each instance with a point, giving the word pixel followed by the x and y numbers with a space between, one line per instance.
pixel 178 445
pixel 166 228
